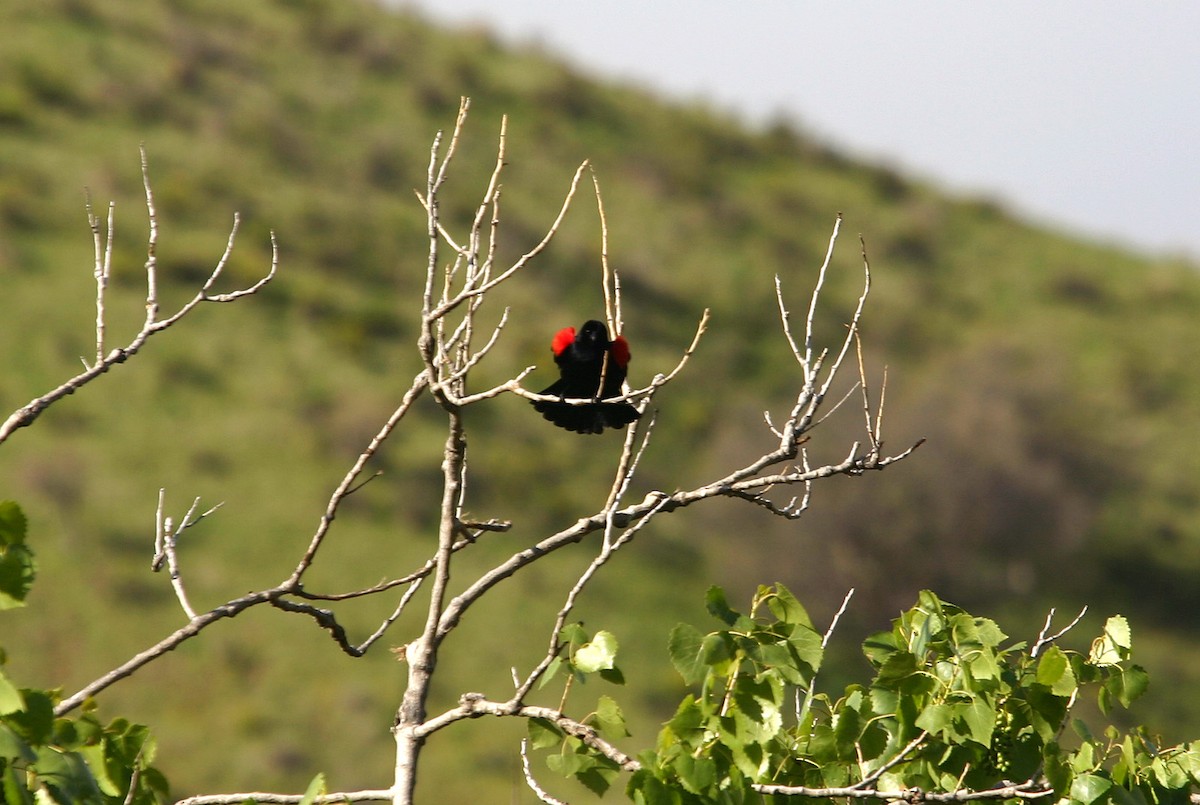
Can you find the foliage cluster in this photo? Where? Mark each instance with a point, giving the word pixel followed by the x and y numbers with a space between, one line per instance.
pixel 955 712
pixel 62 760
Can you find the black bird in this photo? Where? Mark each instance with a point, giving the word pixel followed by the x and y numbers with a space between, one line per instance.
pixel 590 367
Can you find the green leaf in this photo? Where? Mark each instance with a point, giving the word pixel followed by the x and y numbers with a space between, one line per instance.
pixel 1054 671
pixel 717 652
pixel 688 722
pixel 316 788
pixel 1190 759
pixel 600 652
pixel 551 671
pixel 153 780
pixel 879 647
pixel 1117 628
pixel 926 622
pixel 1084 759
pixel 1104 700
pixel 1058 773
pixel 749 757
pixel 17 565
pixel 12 524
pixel 568 764
pixel 1128 685
pixel 983 664
pixel 13 747
pixel 1051 667
pixel 899 666
pixel 646 789
pixel 989 632
pixel 12 787
pixel 795 659
pixel 1046 710
pixel 573 634
pixel 807 644
pixel 685 645
pixel 1083 730
pixel 1168 773
pixel 980 720
pixel 599 778
pixel 1114 645
pixel 1126 768
pixel 964 630
pixel 609 719
pixel 1087 788
pixel 67 774
pixel 846 730
pixel 11 699
pixel 883 701
pixel 543 734
pixel 718 606
pixel 936 719
pixel 36 721
pixel 94 757
pixel 757 708
pixel 697 774
pixel 788 609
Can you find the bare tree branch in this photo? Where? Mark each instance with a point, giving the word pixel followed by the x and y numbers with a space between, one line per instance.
pixel 26 414
pixel 454 291
pixel 913 795
pixel 264 798
pixel 1043 641
pixel 166 535
pixel 193 627
pixel 474 705
pixel 531 781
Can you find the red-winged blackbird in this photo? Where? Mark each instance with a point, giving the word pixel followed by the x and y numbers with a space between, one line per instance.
pixel 582 366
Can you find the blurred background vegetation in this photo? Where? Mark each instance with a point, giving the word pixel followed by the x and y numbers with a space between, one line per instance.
pixel 1054 379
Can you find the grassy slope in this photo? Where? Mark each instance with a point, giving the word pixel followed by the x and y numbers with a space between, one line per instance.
pixel 1051 376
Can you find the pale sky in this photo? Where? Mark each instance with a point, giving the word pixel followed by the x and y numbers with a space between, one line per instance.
pixel 1084 115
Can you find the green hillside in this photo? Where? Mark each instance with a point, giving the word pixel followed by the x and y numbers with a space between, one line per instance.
pixel 1053 378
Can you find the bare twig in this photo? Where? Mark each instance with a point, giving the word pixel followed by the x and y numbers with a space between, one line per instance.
pixel 899 758
pixel 473 705
pixel 227 610
pixel 152 246
pixel 809 372
pixel 103 269
pixel 1042 640
pixel 26 414
pixel 866 396
pixel 531 781
pixel 166 536
pixel 608 278
pixel 837 616
pixel 913 795
pixel 606 553
pixel 809 693
pixel 449 304
pixel 383 795
pixel 346 486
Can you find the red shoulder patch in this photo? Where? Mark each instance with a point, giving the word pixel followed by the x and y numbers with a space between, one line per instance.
pixel 620 351
pixel 562 339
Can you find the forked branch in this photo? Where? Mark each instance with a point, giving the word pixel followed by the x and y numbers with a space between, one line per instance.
pixel 28 413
